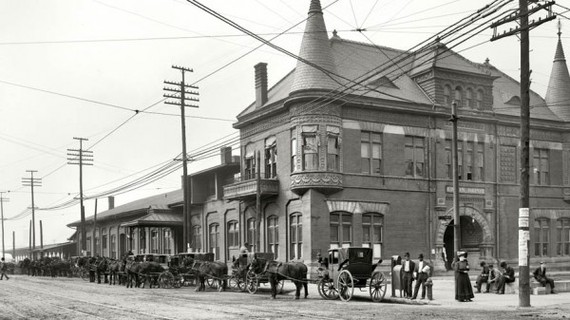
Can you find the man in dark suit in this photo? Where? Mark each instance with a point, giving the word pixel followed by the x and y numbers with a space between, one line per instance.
pixel 540 276
pixel 422 272
pixel 508 276
pixel 406 274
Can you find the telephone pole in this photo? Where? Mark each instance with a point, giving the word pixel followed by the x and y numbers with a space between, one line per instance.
pixel 2 200
pixel 522 28
pixel 178 94
pixel 455 171
pixel 32 182
pixel 81 158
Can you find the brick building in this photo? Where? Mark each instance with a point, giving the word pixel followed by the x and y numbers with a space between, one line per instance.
pixel 353 148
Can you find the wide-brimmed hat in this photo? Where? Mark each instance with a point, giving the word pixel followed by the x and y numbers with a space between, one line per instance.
pixel 461 254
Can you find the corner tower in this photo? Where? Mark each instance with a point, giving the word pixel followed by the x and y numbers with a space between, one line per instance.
pixel 558 92
pixel 316 124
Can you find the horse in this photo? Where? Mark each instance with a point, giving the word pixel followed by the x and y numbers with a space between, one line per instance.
pixel 101 267
pixel 116 268
pixel 215 270
pixel 278 271
pixel 132 270
pixel 25 266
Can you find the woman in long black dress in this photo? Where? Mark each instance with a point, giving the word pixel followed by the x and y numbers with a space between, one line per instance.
pixel 463 288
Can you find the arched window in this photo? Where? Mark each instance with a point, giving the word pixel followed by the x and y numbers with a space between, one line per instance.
pixel 372 231
pixel 563 237
pixel 273 235
pixel 233 234
pixel 214 240
pixel 196 239
pixel 104 242
pixel 469 98
pixel 479 99
pixel 250 237
pixel 447 95
pixel 167 241
pixel 296 236
pixel 458 96
pixel 341 229
pixel 541 237
pixel 114 246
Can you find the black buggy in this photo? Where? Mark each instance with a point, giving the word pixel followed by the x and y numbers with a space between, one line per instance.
pixel 347 268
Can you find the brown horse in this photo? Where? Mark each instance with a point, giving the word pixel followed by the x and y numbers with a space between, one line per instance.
pixel 293 271
pixel 213 270
pixel 116 268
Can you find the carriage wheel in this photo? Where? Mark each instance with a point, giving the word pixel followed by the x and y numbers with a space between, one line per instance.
pixel 165 280
pixel 237 283
pixel 212 283
pixel 345 285
pixel 377 287
pixel 327 290
pixel 251 282
pixel 84 274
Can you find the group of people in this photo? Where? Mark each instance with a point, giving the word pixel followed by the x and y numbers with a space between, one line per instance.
pixel 491 274
pixel 419 271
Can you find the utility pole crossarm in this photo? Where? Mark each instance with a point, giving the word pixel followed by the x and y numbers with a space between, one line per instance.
pixel 515 16
pixel 179 95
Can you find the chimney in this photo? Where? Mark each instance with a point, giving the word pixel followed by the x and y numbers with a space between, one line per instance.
pixel 111 200
pixel 226 153
pixel 260 84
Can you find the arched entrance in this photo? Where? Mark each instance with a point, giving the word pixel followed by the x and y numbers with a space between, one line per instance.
pixel 476 236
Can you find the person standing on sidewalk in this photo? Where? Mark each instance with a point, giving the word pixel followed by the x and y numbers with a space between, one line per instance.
pixel 463 289
pixel 3 268
pixel 406 274
pixel 422 272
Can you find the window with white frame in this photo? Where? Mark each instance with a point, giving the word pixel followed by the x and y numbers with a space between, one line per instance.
pixel 541 237
pixel 233 234
pixel 563 237
pixel 196 239
pixel 372 230
pixel 414 156
pixel 371 152
pixel 270 157
pixel 293 151
pixel 273 235
pixel 310 152
pixel 296 236
pixel 249 162
pixel 541 168
pixel 340 229
pixel 214 240
pixel 114 246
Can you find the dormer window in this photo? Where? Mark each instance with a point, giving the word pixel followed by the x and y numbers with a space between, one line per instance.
pixel 459 96
pixel 447 95
pixel 469 98
pixel 479 99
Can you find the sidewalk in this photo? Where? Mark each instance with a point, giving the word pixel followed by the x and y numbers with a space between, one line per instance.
pixel 444 295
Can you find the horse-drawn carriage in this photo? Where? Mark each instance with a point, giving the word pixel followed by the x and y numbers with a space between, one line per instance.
pixel 182 269
pixel 347 268
pixel 250 277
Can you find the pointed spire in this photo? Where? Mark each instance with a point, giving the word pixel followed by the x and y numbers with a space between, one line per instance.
pixel 315 47
pixel 558 92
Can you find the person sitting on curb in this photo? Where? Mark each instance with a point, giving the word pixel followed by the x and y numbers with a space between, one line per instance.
pixel 483 278
pixel 540 276
pixel 508 276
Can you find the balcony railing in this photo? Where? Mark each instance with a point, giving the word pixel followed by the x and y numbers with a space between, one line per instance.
pixel 244 189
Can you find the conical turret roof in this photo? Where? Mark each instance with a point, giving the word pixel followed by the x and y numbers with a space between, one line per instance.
pixel 315 48
pixel 558 92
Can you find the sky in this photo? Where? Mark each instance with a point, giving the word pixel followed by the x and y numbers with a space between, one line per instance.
pixel 82 68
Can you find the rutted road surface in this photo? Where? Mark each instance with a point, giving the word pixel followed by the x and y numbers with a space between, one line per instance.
pixel 24 297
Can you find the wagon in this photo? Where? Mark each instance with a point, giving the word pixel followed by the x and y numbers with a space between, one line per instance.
pixel 347 268
pixel 254 278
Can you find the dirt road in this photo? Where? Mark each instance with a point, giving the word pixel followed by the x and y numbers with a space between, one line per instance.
pixel 24 297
